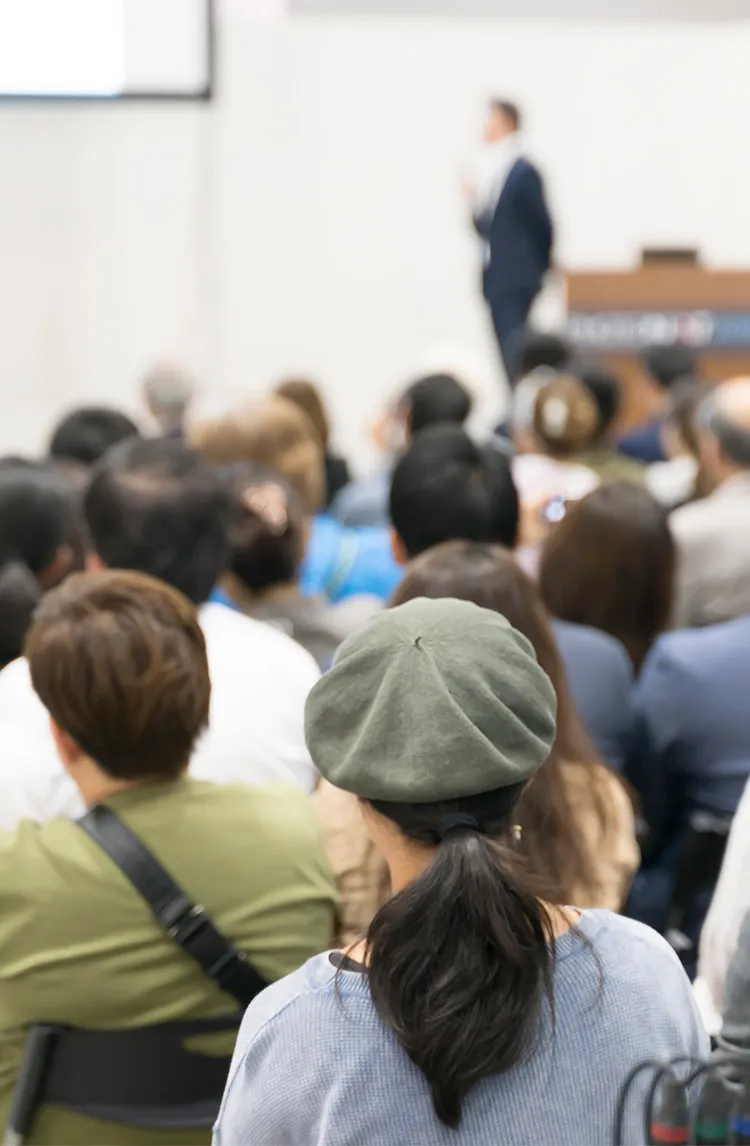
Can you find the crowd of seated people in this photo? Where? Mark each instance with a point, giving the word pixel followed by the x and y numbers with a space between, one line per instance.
pixel 481 709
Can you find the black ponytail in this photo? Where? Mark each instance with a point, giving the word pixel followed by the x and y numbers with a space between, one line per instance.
pixel 460 961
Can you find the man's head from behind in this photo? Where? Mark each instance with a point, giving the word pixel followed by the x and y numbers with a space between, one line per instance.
pixel 436 399
pixel 160 508
pixel 446 488
pixel 724 431
pixel 85 435
pixel 119 662
pixel 669 365
pixel 503 118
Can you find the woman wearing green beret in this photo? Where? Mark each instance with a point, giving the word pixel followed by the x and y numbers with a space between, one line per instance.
pixel 474 1012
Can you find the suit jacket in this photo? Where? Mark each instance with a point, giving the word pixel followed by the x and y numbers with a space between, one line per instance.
pixel 713 540
pixel 519 234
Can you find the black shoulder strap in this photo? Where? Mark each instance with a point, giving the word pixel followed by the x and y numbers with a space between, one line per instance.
pixel 185 922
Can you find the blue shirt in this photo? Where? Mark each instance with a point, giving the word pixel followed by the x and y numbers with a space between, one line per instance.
pixel 644 442
pixel 364 502
pixel 600 675
pixel 315 1066
pixel 341 563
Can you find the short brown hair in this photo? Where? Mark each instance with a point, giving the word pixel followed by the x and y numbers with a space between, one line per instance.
pixel 118 660
pixel 276 434
pixel 308 397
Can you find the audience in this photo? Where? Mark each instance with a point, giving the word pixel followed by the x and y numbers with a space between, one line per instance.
pixel 713 535
pixel 168 391
pixel 155 506
pixel 577 819
pixel 268 545
pixel 610 564
pixel 434 400
pixel 119 662
pixel 566 417
pixel 665 366
pixel 474 1007
pixel 276 433
pixel 690 754
pixel 307 396
pixel 679 480
pixel 446 488
pixel 539 348
pixel 39 544
pixel 84 436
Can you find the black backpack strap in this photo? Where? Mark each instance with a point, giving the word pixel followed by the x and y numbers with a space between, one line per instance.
pixel 186 923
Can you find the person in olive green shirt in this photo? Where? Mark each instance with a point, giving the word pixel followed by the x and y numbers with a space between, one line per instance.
pixel 119 661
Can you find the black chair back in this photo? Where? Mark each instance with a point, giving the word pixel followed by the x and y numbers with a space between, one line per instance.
pixel 145 1077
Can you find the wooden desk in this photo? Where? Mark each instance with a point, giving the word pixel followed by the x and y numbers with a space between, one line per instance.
pixel 613 316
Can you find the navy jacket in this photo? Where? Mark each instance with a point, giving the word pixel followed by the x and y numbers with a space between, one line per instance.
pixel 519 234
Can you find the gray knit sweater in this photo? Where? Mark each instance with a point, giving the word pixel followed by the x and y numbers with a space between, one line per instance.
pixel 314 1067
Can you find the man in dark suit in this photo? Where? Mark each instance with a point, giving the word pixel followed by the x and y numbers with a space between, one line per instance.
pixel 511 217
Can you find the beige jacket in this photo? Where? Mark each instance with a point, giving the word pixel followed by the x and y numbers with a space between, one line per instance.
pixel 362 875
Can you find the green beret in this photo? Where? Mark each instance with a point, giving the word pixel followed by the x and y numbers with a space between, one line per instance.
pixel 434 700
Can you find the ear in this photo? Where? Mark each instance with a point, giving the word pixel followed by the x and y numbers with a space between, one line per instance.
pixel 398 549
pixel 67 749
pixel 93 563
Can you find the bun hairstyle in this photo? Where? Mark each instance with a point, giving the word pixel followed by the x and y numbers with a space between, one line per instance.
pixel 565 416
pixel 268 529
pixel 37 518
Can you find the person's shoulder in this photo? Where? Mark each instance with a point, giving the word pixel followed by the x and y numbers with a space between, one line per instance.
pixel 233 637
pixel 629 946
pixel 593 643
pixel 694 518
pixel 699 648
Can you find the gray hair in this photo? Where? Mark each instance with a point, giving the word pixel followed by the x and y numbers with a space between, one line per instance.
pixel 733 440
pixel 168 389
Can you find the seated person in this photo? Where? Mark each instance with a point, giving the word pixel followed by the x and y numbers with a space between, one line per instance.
pixel 339 563
pixel 578 823
pixel 689 754
pixel 168 392
pixel 157 507
pixel 268 544
pixel 85 435
pixel 666 367
pixel 446 488
pixel 308 397
pixel 434 400
pixel 474 1009
pixel 678 480
pixel 119 662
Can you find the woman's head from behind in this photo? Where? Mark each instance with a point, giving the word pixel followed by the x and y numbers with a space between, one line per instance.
pixel 268 533
pixel 610 564
pixel 564 413
pixel 489 577
pixel 39 544
pixel 435 715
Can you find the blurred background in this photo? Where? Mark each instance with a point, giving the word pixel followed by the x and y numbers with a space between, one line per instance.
pixel 309 216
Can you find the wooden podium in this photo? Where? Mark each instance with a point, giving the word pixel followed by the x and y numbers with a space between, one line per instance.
pixel 614 316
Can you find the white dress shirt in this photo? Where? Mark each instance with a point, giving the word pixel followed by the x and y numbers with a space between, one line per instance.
pixel 259 684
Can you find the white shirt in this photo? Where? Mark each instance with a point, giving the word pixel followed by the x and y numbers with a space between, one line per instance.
pixel 259 684
pixel 729 907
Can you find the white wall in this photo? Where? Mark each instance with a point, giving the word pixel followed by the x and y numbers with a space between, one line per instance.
pixel 310 218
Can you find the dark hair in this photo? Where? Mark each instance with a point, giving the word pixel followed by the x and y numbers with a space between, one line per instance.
pixel 86 434
pixel 610 564
pixel 538 349
pixel 510 110
pixel 159 507
pixel 605 388
pixel 460 961
pixel 119 661
pixel 446 488
pixel 435 400
pixel 268 530
pixel 556 852
pixel 670 364
pixel 38 517
pixel 308 397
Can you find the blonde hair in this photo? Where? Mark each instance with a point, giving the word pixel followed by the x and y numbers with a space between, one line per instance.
pixel 566 418
pixel 275 433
